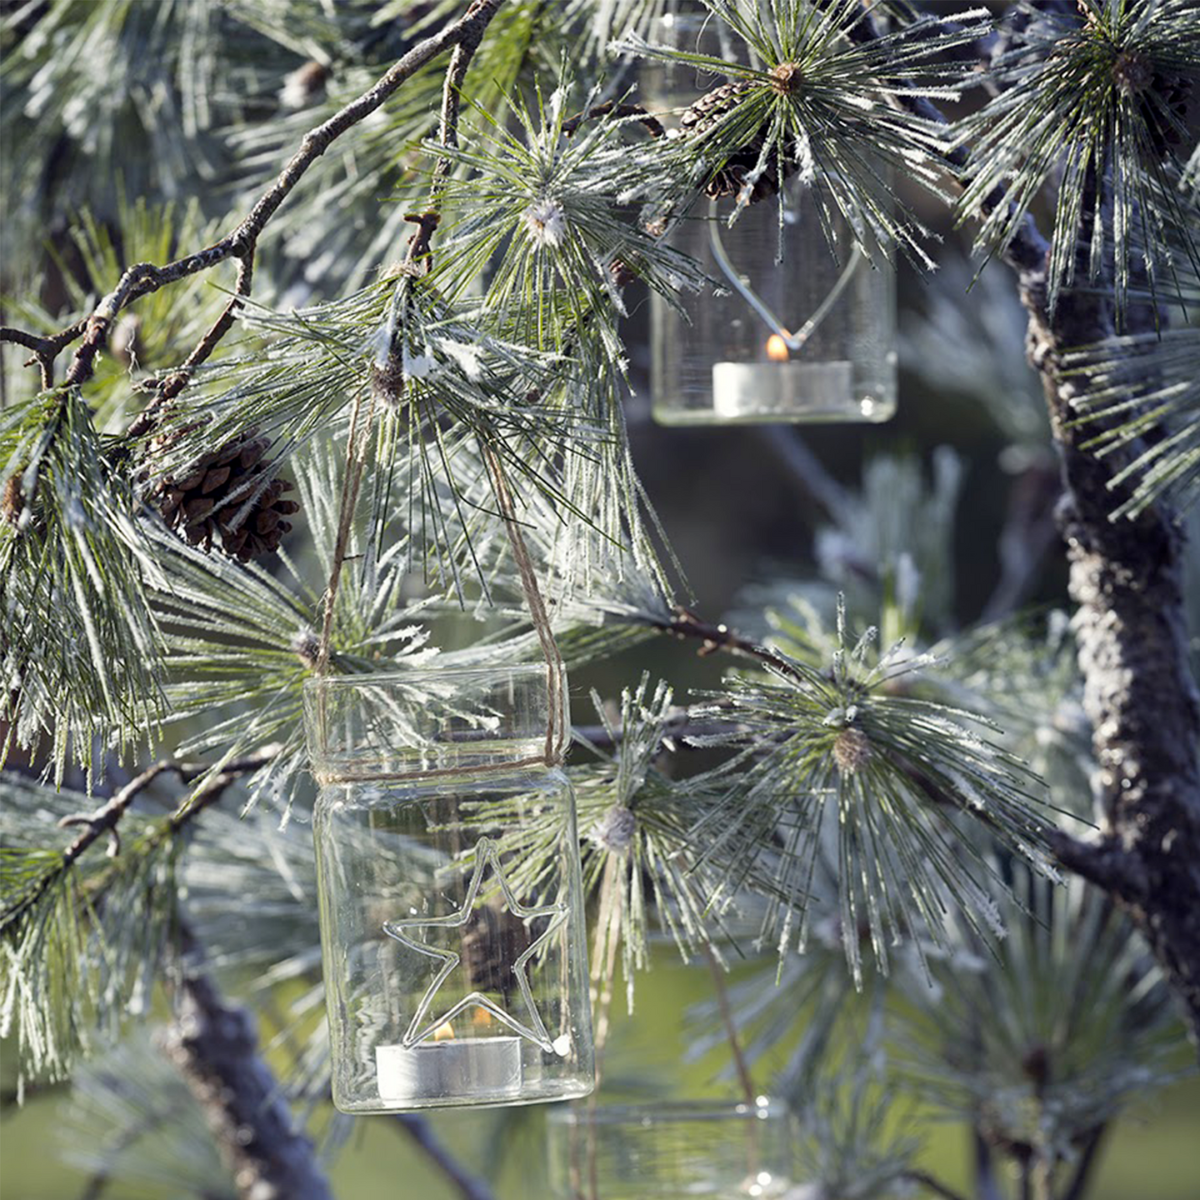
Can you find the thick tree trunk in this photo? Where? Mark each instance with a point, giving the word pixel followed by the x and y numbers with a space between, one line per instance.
pixel 215 1047
pixel 1140 695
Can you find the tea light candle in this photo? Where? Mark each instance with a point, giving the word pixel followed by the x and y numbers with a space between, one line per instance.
pixel 478 1069
pixel 761 390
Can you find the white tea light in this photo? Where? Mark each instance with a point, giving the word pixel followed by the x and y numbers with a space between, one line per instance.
pixel 482 1069
pixel 754 391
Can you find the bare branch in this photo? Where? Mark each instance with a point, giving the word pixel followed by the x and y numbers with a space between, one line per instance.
pixel 419 1129
pixel 686 625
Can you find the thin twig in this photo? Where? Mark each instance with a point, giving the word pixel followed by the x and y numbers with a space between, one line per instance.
pixel 930 1184
pixel 105 819
pixel 611 108
pixel 1080 1179
pixel 604 956
pixel 176 382
pixel 807 468
pixel 356 461
pixel 685 624
pixel 557 733
pixel 681 725
pixel 749 1093
pixel 143 278
pixel 421 1132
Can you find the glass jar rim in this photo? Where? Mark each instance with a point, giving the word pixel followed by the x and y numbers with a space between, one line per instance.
pixel 429 721
pixel 763 1108
pixel 418 674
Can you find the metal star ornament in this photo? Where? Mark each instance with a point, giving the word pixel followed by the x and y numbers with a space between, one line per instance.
pixel 422 1025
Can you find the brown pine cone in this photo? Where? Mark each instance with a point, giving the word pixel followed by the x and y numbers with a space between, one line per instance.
pixel 205 503
pixel 12 501
pixel 729 180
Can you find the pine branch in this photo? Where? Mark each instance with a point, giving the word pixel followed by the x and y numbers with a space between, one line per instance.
pixel 106 819
pixel 1127 579
pixel 1026 249
pixel 215 1047
pixel 241 242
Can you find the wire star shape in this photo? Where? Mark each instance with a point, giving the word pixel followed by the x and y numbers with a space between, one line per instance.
pixel 421 1026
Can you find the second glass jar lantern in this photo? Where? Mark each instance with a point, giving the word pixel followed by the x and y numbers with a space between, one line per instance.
pixel 801 325
pixel 726 1151
pixel 455 961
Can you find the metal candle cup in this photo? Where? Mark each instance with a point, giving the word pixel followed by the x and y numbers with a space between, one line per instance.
pixel 486 1069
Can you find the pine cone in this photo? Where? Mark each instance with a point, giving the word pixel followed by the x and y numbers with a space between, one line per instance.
pixel 729 180
pixel 206 502
pixel 12 501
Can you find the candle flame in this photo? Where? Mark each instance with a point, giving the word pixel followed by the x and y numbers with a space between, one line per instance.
pixel 481 1018
pixel 777 348
pixel 444 1032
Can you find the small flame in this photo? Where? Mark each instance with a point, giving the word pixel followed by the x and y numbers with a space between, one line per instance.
pixel 481 1018
pixel 444 1032
pixel 777 348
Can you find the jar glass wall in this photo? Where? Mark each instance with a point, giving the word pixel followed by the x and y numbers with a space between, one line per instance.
pixel 455 972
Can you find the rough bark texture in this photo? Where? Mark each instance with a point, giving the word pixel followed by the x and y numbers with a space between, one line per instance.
pixel 215 1047
pixel 1140 695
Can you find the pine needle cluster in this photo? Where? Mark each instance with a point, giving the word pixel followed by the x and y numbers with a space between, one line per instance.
pixel 848 758
pixel 1099 96
pixel 809 99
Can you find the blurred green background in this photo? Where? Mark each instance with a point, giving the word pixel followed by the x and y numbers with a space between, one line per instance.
pixel 1154 1154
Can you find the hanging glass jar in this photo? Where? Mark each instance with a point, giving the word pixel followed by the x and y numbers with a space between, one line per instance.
pixel 638 1152
pixel 455 964
pixel 801 325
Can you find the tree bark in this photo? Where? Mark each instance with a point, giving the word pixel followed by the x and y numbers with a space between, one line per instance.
pixel 215 1047
pixel 1126 577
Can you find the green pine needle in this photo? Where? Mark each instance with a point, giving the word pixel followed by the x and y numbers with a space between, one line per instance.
pixel 82 650
pixel 1141 392
pixel 1095 97
pixel 850 760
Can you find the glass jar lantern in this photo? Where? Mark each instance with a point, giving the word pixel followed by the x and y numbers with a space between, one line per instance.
pixel 455 966
pixel 799 325
pixel 724 1150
